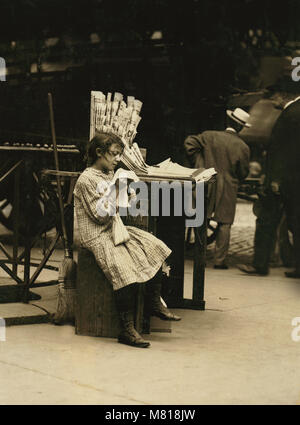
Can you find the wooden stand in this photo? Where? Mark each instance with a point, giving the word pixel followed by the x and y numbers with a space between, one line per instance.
pixel 172 231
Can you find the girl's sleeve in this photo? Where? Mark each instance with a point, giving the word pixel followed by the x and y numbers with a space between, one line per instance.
pixel 96 205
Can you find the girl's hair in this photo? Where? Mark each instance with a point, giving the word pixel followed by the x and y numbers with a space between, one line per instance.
pixel 103 141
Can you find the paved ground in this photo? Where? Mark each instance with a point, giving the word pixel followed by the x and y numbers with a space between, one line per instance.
pixel 242 236
pixel 241 240
pixel 243 349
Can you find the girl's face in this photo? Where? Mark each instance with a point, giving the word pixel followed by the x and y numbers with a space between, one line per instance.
pixel 109 160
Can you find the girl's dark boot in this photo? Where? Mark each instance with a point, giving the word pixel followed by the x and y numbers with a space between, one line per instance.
pixel 125 301
pixel 154 305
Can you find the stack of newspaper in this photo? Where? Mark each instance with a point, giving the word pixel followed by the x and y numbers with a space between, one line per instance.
pixel 114 115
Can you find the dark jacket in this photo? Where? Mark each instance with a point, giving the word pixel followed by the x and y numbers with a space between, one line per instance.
pixel 229 155
pixel 283 158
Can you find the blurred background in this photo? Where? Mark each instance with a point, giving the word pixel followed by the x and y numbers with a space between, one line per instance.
pixel 187 61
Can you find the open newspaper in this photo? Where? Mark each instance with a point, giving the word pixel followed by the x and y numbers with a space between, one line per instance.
pixel 164 169
pixel 172 169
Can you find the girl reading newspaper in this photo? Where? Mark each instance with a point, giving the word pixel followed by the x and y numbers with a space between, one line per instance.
pixel 127 255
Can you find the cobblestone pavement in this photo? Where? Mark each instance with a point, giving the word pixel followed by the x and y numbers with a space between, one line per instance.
pixel 241 246
pixel 242 237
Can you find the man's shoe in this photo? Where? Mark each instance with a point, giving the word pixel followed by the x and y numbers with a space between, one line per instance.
pixel 294 274
pixel 251 270
pixel 221 266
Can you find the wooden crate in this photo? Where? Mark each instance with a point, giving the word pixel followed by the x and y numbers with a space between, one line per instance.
pixel 96 313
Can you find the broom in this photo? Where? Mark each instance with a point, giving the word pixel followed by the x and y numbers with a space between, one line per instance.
pixel 67 270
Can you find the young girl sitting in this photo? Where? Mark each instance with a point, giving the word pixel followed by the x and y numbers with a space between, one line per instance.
pixel 125 265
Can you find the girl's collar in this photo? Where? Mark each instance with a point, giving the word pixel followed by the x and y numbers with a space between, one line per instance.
pixel 102 173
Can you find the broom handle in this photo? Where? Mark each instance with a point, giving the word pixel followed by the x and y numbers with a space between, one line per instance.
pixel 61 207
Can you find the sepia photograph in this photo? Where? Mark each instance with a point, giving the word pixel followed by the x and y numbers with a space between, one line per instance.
pixel 150 206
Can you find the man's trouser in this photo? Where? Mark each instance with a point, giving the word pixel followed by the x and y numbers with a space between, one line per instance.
pixel 268 210
pixel 222 243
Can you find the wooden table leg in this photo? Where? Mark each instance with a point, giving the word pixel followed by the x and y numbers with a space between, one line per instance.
pixel 171 230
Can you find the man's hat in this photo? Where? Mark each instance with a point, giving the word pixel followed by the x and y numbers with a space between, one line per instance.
pixel 240 116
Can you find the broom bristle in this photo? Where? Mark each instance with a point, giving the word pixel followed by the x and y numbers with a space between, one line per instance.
pixel 66 295
pixel 67 272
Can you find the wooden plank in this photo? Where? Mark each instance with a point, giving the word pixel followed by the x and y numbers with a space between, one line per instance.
pixel 96 313
pixel 9 272
pixel 10 171
pixel 158 325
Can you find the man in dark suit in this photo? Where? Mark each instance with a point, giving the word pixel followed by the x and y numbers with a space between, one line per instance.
pixel 281 191
pixel 229 155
